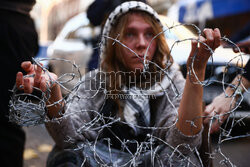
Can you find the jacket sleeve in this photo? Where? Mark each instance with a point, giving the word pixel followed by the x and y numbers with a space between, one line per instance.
pixel 80 120
pixel 247 71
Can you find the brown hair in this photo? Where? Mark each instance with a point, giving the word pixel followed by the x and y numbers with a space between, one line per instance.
pixel 112 64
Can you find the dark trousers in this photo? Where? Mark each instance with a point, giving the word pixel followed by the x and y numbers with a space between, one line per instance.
pixel 18 43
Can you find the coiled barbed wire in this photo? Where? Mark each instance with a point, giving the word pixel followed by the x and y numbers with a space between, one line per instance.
pixel 30 109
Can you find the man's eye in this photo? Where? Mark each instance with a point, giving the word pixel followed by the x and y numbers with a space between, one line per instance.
pixel 129 34
pixel 149 35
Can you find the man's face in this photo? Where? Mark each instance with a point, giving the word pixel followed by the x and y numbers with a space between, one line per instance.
pixel 137 36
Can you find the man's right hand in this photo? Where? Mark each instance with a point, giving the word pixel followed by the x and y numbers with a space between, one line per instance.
pixel 244 47
pixel 36 77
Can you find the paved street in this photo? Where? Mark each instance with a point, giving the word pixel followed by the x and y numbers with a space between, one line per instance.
pixel 38 145
pixel 237 151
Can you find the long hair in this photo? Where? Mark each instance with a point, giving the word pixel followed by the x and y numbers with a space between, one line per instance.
pixel 112 64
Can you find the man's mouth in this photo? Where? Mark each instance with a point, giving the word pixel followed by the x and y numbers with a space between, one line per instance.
pixel 141 56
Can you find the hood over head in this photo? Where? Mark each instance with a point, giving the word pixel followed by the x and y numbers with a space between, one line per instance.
pixel 118 12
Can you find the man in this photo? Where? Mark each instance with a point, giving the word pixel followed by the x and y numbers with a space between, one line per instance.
pixel 19 42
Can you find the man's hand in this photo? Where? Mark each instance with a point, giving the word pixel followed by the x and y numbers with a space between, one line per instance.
pixel 201 52
pixel 244 47
pixel 219 107
pixel 37 78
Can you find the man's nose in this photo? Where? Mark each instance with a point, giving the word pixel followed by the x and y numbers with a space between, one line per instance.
pixel 142 41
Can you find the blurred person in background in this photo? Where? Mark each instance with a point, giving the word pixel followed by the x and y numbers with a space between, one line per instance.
pixel 97 13
pixel 19 42
pixel 226 101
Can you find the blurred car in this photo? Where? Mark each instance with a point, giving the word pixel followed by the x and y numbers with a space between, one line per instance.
pixel 73 45
pixel 71 50
pixel 42 55
pixel 223 66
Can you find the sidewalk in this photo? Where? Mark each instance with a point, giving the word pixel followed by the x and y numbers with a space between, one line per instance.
pixel 38 145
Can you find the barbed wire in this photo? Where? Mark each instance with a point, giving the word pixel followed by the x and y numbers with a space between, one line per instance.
pixel 31 109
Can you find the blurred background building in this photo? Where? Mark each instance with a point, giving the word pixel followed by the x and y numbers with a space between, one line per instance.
pixel 228 15
pixel 51 15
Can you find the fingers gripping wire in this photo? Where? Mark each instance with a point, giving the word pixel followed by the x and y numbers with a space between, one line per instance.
pixel 31 109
